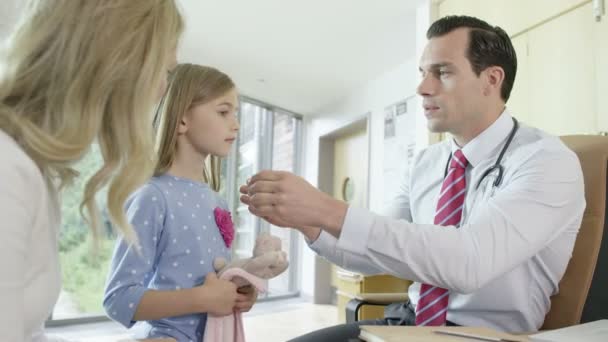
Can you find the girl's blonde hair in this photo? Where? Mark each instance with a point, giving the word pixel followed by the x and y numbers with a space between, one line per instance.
pixel 191 85
pixel 76 71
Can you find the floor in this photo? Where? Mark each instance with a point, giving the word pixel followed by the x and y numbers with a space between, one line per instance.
pixel 271 321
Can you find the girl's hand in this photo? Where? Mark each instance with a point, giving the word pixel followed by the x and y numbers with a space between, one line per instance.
pixel 246 297
pixel 218 296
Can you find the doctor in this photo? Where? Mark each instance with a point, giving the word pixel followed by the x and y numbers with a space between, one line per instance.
pixel 485 222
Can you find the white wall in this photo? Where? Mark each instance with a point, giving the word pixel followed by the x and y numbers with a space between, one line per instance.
pixel 392 87
pixel 9 14
pixel 387 89
pixel 372 98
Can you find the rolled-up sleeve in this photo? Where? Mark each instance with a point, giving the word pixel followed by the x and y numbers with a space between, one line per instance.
pixel 132 266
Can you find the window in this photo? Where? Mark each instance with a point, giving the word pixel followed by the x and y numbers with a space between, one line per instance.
pixel 268 138
pixel 284 152
pixel 247 122
pixel 83 273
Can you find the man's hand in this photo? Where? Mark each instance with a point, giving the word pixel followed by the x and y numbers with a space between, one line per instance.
pixel 287 200
pixel 246 297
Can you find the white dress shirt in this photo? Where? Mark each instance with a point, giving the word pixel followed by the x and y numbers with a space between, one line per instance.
pixel 514 243
pixel 29 261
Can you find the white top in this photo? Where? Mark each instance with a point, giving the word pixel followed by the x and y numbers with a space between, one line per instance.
pixel 507 258
pixel 29 267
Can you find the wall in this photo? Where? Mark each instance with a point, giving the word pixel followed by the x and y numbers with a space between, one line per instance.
pixel 562 65
pixel 389 88
pixel 9 11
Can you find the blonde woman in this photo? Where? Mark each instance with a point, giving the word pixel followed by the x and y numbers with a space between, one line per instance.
pixel 180 219
pixel 74 72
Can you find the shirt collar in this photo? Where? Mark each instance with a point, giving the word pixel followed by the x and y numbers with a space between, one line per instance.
pixel 482 145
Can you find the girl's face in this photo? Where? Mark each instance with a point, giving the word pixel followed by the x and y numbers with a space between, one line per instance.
pixel 211 128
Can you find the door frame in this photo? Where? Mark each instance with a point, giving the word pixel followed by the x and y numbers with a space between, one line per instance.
pixel 323 292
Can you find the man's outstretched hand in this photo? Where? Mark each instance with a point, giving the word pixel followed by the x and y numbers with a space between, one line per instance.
pixel 287 200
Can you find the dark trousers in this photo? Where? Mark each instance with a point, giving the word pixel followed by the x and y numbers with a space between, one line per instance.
pixel 394 314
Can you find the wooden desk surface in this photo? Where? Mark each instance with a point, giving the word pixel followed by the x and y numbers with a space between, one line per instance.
pixel 375 333
pixel 151 340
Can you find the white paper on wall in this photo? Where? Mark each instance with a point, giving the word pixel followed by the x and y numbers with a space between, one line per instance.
pixel 399 144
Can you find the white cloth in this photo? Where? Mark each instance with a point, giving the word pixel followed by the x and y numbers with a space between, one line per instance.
pixel 30 279
pixel 513 246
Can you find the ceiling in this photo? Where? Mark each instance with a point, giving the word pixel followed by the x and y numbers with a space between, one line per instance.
pixel 299 55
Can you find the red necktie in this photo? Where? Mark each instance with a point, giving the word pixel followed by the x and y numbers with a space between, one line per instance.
pixel 432 306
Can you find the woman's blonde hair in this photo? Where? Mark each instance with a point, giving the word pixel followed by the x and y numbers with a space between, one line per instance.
pixel 191 85
pixel 79 71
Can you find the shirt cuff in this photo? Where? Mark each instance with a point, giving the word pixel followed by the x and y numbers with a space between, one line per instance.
pixel 324 242
pixel 356 230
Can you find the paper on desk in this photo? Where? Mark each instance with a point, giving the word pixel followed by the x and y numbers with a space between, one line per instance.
pixel 589 332
pixel 477 337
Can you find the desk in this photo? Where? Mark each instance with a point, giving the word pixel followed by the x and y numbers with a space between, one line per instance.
pixel 151 340
pixel 376 333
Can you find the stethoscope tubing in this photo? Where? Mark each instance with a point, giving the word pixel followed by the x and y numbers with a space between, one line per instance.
pixel 497 165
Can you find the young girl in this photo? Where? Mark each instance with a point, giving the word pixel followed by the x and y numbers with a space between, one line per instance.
pixel 73 72
pixel 168 279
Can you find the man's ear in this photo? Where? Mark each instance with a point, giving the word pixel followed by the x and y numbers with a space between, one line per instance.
pixel 494 77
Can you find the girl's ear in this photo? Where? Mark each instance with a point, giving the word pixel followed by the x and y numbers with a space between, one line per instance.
pixel 182 124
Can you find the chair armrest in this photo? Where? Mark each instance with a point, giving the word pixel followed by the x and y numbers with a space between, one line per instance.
pixel 382 298
pixel 361 299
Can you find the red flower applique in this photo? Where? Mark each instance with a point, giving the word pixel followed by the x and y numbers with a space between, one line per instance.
pixel 223 219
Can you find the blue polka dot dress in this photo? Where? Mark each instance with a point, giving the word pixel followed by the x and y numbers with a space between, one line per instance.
pixel 178 241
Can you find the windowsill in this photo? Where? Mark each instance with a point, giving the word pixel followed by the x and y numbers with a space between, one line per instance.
pixel 109 331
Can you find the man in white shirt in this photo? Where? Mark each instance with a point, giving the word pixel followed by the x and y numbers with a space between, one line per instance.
pixel 485 222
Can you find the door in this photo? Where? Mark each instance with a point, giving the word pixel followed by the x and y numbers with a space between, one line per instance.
pixel 350 168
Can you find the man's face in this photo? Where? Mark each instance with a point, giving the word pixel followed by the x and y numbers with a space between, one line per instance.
pixel 452 93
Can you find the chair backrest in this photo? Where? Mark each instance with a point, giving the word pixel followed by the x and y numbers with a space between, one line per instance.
pixel 583 291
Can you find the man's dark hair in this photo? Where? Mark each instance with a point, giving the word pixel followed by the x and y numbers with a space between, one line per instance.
pixel 488 46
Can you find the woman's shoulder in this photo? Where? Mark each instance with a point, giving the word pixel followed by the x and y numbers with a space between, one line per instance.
pixel 16 166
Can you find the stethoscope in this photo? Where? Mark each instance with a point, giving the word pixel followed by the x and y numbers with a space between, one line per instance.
pixel 497 165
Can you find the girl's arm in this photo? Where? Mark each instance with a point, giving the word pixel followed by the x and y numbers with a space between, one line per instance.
pixel 215 296
pixel 127 297
pixel 132 268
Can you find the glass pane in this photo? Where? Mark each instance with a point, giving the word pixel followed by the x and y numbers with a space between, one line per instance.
pixel 246 166
pixel 83 273
pixel 244 240
pixel 283 159
pixel 247 122
pixel 258 150
pixel 224 176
